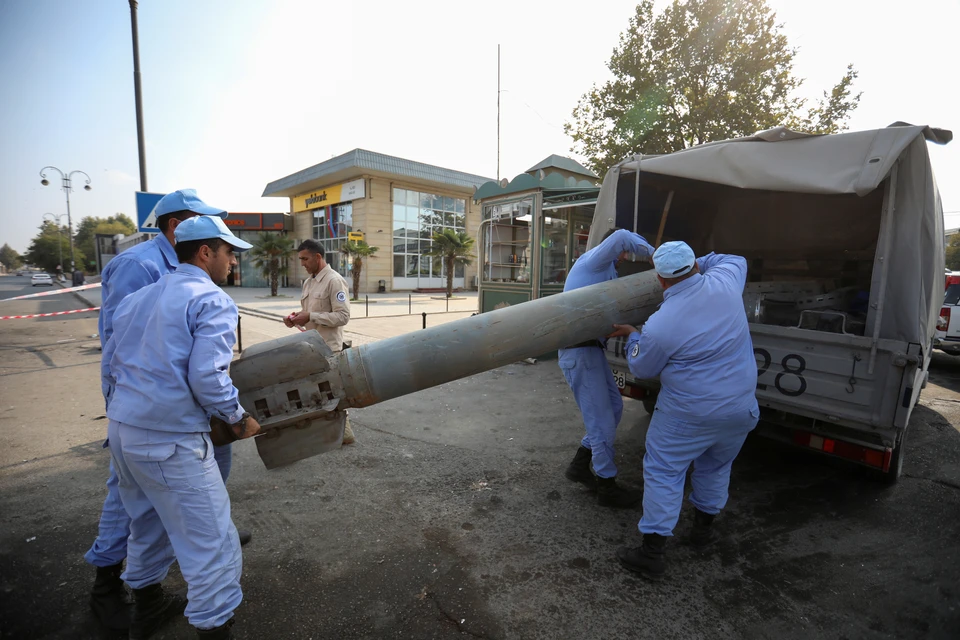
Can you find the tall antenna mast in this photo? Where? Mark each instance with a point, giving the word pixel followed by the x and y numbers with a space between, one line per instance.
pixel 498 113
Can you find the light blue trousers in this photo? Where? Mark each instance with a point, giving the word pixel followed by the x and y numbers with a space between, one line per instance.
pixel 598 398
pixel 672 445
pixel 179 508
pixel 110 547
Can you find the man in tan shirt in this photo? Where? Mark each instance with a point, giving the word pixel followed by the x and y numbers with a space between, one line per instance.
pixel 324 304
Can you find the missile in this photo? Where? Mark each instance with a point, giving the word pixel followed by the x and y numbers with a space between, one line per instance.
pixel 299 391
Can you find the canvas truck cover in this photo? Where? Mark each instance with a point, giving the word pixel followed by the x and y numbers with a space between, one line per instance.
pixel 847 163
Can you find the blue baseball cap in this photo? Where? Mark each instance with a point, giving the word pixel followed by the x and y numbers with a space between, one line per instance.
pixel 673 259
pixel 186 200
pixel 205 228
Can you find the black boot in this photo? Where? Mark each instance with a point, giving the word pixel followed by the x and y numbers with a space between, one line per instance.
pixel 219 633
pixel 649 559
pixel 245 536
pixel 611 494
pixel 109 599
pixel 579 468
pixel 152 608
pixel 703 534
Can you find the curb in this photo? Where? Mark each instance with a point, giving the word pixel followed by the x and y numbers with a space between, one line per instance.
pixel 76 294
pixel 266 315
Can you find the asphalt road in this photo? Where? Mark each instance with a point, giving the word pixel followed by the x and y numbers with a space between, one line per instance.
pixel 451 518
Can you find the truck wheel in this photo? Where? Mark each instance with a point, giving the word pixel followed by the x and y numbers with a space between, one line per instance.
pixel 649 404
pixel 896 462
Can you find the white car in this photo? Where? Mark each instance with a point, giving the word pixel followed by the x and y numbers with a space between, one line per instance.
pixel 947 337
pixel 40 279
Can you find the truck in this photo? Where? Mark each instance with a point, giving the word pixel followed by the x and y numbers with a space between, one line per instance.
pixel 844 240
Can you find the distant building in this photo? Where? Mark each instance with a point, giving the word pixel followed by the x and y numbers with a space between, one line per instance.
pixel 395 204
pixel 244 225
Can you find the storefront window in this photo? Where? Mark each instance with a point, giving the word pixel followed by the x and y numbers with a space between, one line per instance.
pixel 417 217
pixel 582 218
pixel 553 248
pixel 507 241
pixel 331 226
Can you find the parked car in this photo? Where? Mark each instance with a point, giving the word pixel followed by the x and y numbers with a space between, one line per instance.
pixel 947 337
pixel 41 279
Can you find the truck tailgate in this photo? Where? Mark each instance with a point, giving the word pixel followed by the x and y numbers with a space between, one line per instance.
pixel 817 374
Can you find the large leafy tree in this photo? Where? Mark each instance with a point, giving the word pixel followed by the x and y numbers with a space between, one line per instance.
pixel 47 246
pixel 701 70
pixel 9 257
pixel 86 236
pixel 357 251
pixel 453 248
pixel 269 256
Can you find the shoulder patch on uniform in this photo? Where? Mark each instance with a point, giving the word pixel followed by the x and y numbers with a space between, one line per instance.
pixel 341 296
pixel 635 351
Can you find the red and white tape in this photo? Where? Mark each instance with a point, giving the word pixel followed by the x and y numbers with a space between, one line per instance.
pixel 55 292
pixel 47 315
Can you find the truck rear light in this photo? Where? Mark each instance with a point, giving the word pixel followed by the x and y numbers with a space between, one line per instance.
pixel 943 322
pixel 878 458
pixel 631 391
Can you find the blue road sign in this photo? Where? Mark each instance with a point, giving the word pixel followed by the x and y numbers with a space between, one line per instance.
pixel 146 203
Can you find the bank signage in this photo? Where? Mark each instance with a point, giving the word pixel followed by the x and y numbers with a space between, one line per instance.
pixel 336 194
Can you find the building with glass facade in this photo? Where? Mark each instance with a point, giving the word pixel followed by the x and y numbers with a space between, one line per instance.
pixel 394 204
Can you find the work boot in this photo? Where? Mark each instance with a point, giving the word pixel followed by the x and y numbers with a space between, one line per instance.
pixel 245 536
pixel 152 608
pixel 703 534
pixel 348 437
pixel 222 632
pixel 611 494
pixel 109 599
pixel 649 559
pixel 579 468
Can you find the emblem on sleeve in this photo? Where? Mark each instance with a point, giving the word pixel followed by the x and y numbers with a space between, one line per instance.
pixel 342 297
pixel 635 351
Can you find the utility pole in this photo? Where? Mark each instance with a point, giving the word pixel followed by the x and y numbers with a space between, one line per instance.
pixel 137 94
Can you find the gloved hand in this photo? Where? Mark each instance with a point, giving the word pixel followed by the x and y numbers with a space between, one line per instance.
pixel 222 433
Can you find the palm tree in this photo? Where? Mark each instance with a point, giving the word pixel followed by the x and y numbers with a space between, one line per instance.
pixel 358 250
pixel 269 254
pixel 454 248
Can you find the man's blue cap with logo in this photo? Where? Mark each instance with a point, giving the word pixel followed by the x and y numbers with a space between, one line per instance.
pixel 186 200
pixel 673 259
pixel 206 228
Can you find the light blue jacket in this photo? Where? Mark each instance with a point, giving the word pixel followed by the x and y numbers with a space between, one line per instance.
pixel 699 343
pixel 600 263
pixel 165 366
pixel 131 271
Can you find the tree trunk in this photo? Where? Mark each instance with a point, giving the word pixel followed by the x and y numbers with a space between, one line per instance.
pixel 357 268
pixel 449 276
pixel 274 278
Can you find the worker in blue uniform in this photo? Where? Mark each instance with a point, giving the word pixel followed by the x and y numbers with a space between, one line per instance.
pixel 130 271
pixel 586 370
pixel 699 343
pixel 165 378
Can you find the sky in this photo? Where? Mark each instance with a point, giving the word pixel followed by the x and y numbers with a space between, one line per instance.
pixel 240 93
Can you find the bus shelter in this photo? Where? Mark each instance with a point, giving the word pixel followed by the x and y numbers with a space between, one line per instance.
pixel 533 228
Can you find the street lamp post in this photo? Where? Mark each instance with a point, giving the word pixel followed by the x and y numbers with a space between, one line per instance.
pixel 59 234
pixel 67 186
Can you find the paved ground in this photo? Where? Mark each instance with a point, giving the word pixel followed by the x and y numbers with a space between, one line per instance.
pixel 386 314
pixel 450 518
